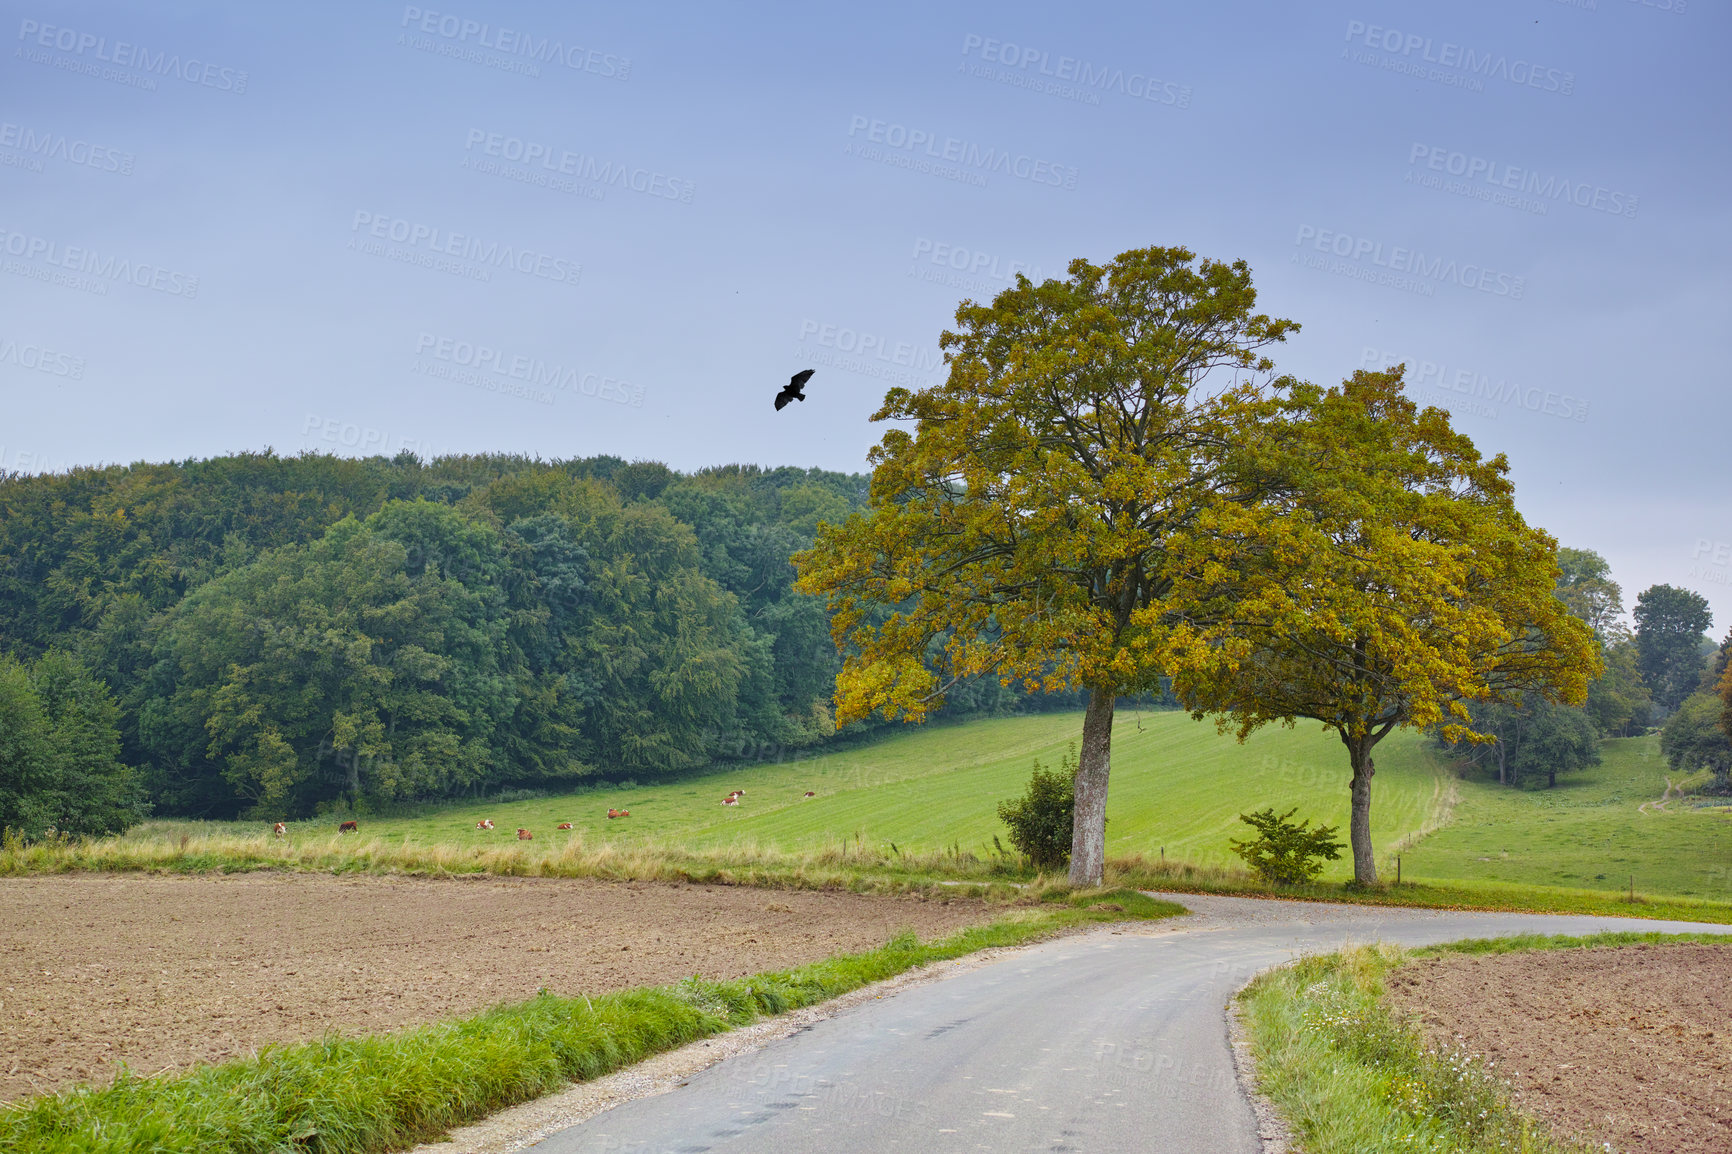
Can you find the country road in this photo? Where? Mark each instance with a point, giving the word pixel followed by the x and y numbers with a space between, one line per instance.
pixel 1113 1040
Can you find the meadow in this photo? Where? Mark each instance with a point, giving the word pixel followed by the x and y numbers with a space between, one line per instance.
pixel 918 806
pixel 1177 790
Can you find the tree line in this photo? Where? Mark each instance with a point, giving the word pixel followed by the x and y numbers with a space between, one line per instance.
pixel 273 637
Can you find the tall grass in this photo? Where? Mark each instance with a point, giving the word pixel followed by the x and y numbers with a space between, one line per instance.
pixel 842 864
pixel 361 1095
pixel 1349 1079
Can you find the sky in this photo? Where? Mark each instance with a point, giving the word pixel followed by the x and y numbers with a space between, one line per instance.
pixel 570 230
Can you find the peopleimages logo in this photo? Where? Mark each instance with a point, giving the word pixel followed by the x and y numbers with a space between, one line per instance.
pixel 1410 263
pixel 91 269
pixel 1473 385
pixel 532 372
pixel 512 42
pixel 1069 76
pixel 1509 184
pixel 579 166
pixel 1398 55
pixel 41 360
pixel 58 146
pixel 427 245
pixel 87 46
pixel 972 158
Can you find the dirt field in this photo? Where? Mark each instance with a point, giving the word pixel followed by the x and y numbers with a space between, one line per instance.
pixel 162 972
pixel 1631 1046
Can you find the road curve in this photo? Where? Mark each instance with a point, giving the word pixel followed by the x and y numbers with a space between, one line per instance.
pixel 1113 1040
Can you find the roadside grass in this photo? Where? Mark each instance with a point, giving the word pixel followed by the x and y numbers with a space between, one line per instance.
pixel 1521 943
pixel 1349 1079
pixel 361 1095
pixel 1503 897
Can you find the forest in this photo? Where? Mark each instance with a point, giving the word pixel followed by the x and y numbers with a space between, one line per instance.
pixel 274 637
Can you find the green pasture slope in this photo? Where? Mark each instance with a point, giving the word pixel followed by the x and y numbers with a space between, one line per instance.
pixel 1176 784
pixel 1589 832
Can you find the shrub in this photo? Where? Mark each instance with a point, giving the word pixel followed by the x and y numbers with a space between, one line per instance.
pixel 1040 820
pixel 1285 852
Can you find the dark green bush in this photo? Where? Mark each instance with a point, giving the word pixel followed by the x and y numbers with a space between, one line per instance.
pixel 1284 851
pixel 1040 820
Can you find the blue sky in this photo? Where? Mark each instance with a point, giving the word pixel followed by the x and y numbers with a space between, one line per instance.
pixel 572 230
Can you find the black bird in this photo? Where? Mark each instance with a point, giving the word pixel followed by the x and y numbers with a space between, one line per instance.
pixel 791 391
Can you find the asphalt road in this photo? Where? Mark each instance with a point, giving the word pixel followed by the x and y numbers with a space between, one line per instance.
pixel 1106 1041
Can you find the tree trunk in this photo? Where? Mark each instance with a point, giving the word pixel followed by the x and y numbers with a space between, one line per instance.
pixel 1359 824
pixel 1088 838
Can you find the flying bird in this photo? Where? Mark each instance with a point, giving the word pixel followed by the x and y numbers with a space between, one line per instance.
pixel 791 391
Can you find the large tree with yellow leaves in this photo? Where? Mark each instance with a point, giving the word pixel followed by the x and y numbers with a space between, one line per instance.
pixel 1394 583
pixel 1021 529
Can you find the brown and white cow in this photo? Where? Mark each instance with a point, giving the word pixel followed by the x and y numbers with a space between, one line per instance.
pixel 484 823
pixel 524 835
pixel 280 830
pixel 567 824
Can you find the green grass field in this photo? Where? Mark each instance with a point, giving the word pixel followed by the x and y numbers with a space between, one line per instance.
pixel 1589 832
pixel 1177 785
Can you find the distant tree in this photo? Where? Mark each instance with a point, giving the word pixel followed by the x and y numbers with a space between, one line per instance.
pixel 1532 737
pixel 1399 585
pixel 1670 623
pixel 1694 739
pixel 27 776
pixel 59 752
pixel 1618 700
pixel 1025 518
pixel 1585 585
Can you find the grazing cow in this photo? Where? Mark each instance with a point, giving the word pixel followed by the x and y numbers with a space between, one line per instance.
pixel 524 835
pixel 567 824
pixel 280 830
pixel 730 800
pixel 348 827
pixel 809 793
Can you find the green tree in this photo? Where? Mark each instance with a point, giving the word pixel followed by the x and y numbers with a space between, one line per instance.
pixel 1531 737
pixel 352 666
pixel 27 777
pixel 1398 584
pixel 59 752
pixel 1618 701
pixel 1693 738
pixel 1585 585
pixel 1025 519
pixel 1670 624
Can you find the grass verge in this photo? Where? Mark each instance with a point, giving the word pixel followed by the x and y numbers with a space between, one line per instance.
pixel 867 869
pixel 360 1095
pixel 1506 897
pixel 1349 1079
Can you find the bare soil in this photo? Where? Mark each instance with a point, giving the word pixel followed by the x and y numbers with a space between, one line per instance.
pixel 162 972
pixel 1629 1045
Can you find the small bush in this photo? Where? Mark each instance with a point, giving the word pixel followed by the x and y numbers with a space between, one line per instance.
pixel 1040 820
pixel 1284 852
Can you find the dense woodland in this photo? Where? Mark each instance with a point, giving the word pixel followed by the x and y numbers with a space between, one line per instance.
pixel 274 637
